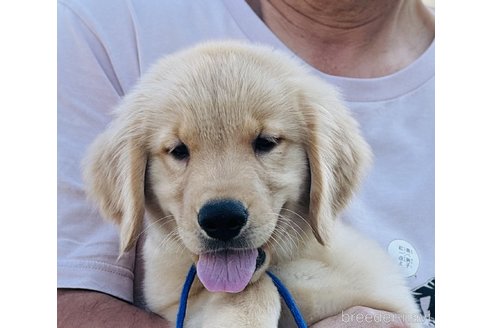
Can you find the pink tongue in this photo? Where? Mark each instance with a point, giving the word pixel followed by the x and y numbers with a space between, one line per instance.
pixel 227 271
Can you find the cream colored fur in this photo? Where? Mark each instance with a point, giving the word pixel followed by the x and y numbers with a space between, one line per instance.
pixel 217 98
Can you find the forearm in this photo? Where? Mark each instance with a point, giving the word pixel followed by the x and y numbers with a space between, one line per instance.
pixel 81 308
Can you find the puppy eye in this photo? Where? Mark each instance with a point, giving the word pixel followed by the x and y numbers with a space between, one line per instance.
pixel 180 152
pixel 263 145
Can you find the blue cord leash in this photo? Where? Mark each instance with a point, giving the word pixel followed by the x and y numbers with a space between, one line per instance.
pixel 184 296
pixel 289 300
pixel 283 291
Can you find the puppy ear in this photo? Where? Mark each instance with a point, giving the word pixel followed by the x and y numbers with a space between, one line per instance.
pixel 337 156
pixel 114 173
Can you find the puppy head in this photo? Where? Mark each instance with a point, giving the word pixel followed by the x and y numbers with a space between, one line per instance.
pixel 228 146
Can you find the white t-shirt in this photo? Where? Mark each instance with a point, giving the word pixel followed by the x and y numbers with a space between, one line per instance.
pixel 104 47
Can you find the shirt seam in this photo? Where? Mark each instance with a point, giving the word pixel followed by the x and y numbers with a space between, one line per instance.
pixel 394 97
pixel 99 266
pixel 90 29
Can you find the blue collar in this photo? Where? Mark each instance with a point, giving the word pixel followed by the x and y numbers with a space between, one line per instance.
pixel 283 291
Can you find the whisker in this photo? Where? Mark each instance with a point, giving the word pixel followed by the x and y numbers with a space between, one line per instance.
pixel 174 239
pixel 294 240
pixel 278 247
pixel 296 214
pixel 282 239
pixel 301 232
pixel 155 222
pixel 288 234
pixel 300 217
pixel 283 247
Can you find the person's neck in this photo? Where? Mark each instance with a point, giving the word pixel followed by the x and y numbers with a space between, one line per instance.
pixel 351 38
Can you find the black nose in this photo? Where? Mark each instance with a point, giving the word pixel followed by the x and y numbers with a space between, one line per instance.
pixel 222 219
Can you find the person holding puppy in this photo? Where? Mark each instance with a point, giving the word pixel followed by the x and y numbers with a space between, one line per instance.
pixel 380 55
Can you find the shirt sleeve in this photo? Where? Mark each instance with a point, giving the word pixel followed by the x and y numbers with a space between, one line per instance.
pixel 88 91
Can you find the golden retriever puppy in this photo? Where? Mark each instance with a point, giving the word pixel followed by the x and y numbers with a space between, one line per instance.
pixel 242 161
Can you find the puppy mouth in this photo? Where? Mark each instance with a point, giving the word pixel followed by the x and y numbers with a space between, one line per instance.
pixel 229 270
pixel 260 259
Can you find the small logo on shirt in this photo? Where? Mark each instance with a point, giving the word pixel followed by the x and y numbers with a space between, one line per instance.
pixel 405 255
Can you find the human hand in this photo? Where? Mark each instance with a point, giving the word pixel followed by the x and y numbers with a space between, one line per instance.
pixel 84 308
pixel 362 317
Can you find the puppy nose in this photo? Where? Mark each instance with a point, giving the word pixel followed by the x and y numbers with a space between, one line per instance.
pixel 222 219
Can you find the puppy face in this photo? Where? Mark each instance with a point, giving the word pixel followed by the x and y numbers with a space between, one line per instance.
pixel 224 139
pixel 229 147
